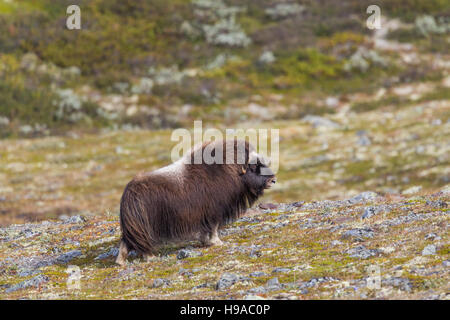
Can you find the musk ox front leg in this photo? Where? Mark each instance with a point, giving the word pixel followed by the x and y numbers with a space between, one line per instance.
pixel 123 254
pixel 211 238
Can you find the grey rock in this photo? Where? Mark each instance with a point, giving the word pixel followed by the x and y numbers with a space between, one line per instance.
pixel 446 263
pixel 73 219
pixel 370 212
pixel 361 252
pixel 281 224
pixel 203 285
pixel 113 252
pixel 397 282
pixel 229 279
pixel 281 270
pixel 273 282
pixel 310 224
pixel 315 281
pixel 335 243
pixel 255 254
pixel 28 272
pixel 33 282
pixel 257 274
pixel 429 250
pixel 257 290
pixel 363 138
pixel 432 236
pixel 436 204
pixel 358 234
pixel 68 256
pixel 28 233
pixel 187 253
pixel 410 217
pixel 160 283
pixel 126 272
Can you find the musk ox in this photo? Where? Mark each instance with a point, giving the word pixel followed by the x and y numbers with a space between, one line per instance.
pixel 189 199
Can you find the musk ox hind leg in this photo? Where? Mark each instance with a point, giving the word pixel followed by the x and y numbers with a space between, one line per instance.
pixel 123 254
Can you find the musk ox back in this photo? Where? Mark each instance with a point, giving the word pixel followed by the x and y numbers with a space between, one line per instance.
pixel 212 186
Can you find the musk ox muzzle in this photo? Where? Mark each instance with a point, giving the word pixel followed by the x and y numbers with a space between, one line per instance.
pixel 188 198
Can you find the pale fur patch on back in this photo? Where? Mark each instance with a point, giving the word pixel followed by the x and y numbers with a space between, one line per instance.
pixel 174 170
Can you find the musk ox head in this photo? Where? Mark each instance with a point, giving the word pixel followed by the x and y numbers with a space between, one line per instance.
pixel 253 169
pixel 257 175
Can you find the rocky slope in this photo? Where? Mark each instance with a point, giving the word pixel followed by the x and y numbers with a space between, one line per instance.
pixel 364 247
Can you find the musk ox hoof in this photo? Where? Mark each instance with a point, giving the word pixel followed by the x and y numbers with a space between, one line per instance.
pixel 216 242
pixel 212 242
pixel 120 262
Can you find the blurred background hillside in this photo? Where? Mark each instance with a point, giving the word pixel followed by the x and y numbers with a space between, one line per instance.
pixel 82 111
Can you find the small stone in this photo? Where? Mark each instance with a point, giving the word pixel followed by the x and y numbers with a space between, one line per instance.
pixel 257 274
pixel 358 234
pixel 335 243
pixel 186 253
pixel 429 250
pixel 255 254
pixel 268 206
pixel 436 204
pixel 332 102
pixel 160 283
pixel 297 203
pixel 432 236
pixel 73 219
pixel 28 272
pixel 369 212
pixel 362 252
pixel 273 282
pixel 281 270
pixel 267 57
pixel 363 138
pixel 113 252
pixel 397 282
pixel 258 290
pixel 229 279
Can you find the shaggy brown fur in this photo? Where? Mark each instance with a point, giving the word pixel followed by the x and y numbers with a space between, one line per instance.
pixel 184 199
